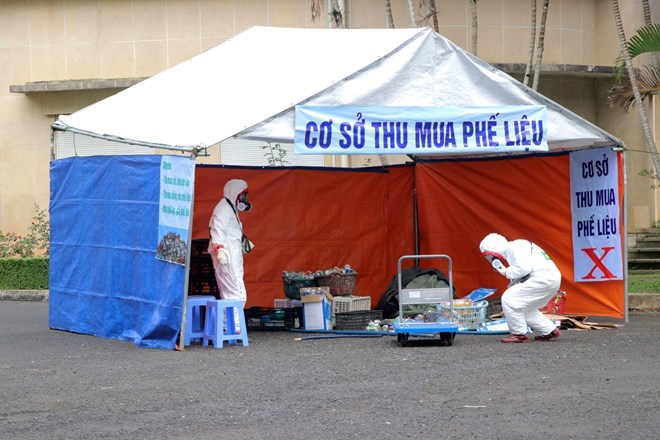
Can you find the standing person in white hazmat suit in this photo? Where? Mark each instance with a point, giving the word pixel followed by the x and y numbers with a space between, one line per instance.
pixel 534 280
pixel 228 243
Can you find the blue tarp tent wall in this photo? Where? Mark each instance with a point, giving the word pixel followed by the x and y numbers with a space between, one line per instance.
pixel 105 279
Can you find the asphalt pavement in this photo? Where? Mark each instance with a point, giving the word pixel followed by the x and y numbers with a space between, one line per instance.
pixel 590 384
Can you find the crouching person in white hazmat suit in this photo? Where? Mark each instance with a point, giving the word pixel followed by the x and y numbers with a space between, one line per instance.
pixel 228 243
pixel 534 280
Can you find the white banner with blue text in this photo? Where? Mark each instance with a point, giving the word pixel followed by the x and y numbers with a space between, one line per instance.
pixel 420 130
pixel 177 178
pixel 597 254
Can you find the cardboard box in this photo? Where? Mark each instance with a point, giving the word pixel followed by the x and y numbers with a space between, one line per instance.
pixel 286 303
pixel 317 312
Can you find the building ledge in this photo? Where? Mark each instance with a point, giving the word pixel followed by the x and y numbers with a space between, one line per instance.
pixel 75 84
pixel 560 69
pixel 122 83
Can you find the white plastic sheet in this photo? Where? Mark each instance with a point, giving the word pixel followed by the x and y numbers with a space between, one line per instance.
pixel 249 87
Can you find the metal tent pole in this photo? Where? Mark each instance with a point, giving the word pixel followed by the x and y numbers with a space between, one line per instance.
pixel 625 232
pixel 415 212
pixel 186 278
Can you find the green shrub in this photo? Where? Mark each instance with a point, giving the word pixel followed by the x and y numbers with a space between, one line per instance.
pixel 35 243
pixel 24 273
pixel 648 282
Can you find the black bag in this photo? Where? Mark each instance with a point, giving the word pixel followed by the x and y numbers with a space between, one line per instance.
pixel 389 302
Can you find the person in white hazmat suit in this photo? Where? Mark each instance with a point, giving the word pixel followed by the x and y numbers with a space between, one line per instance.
pixel 228 243
pixel 534 280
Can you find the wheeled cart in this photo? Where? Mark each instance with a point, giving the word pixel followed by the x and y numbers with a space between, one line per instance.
pixel 434 324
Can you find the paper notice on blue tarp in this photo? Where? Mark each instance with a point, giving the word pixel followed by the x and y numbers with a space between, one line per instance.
pixel 177 176
pixel 420 130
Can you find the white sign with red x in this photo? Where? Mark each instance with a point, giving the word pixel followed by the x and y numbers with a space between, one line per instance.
pixel 597 253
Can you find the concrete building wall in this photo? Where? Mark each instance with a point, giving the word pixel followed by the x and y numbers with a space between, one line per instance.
pixel 60 40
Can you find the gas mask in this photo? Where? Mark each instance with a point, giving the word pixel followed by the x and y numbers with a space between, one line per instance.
pixel 492 256
pixel 496 261
pixel 242 203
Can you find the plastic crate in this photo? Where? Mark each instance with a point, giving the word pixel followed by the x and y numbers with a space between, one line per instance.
pixel 201 267
pixel 266 319
pixel 358 320
pixel 341 304
pixel 469 317
pixel 203 287
pixel 198 247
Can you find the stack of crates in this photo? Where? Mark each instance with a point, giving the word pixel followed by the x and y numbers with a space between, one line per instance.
pixel 357 320
pixel 261 318
pixel 343 304
pixel 201 280
pixel 293 316
pixel 286 315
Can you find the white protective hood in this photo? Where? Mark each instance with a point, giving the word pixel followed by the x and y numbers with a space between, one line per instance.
pixel 249 86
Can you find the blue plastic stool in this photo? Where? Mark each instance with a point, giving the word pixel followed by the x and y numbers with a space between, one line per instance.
pixel 194 323
pixel 213 327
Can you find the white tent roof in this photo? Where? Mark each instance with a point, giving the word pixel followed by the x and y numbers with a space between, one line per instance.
pixel 249 86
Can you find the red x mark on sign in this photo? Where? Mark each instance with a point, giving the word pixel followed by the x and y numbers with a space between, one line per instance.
pixel 598 263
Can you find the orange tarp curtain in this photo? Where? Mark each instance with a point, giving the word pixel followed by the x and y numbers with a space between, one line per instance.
pixel 311 219
pixel 315 219
pixel 460 202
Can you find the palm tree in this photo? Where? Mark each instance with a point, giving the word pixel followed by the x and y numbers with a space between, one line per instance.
pixel 388 11
pixel 473 10
pixel 532 43
pixel 647 12
pixel 646 40
pixel 411 13
pixel 627 58
pixel 335 14
pixel 647 22
pixel 539 48
pixel 315 6
pixel 432 13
